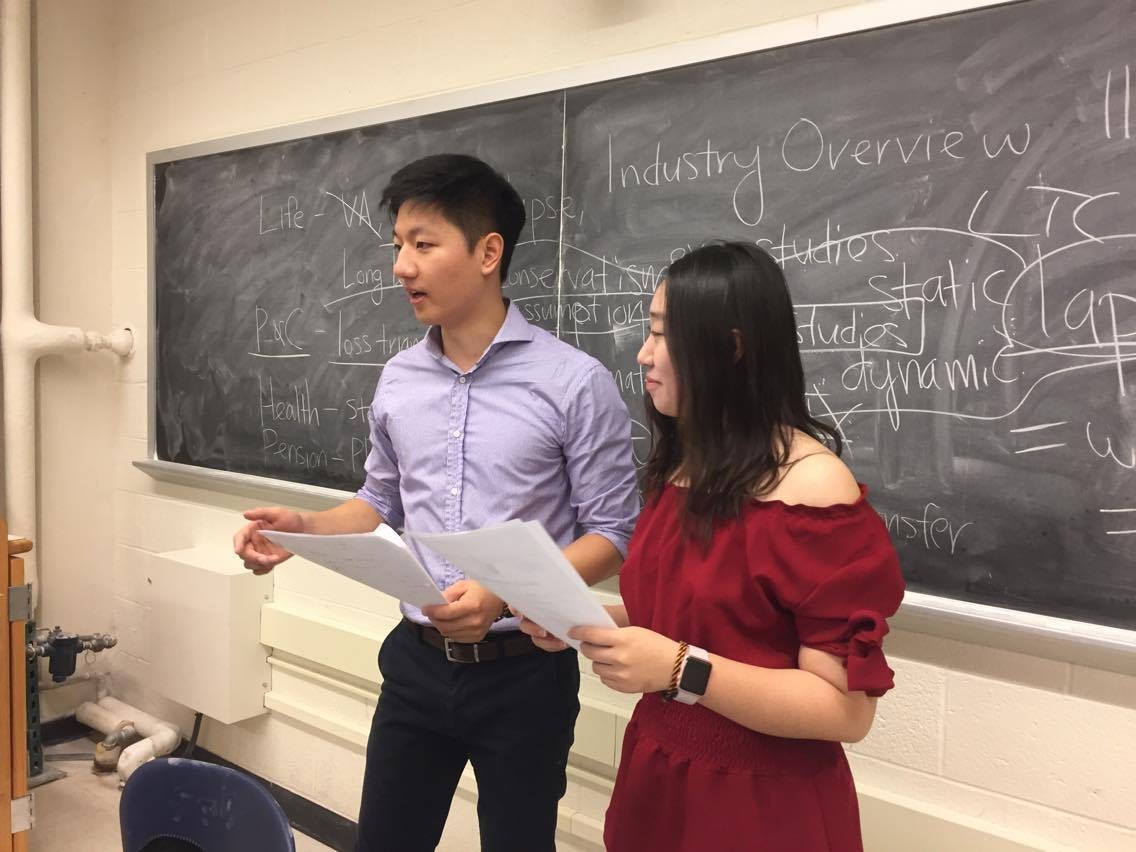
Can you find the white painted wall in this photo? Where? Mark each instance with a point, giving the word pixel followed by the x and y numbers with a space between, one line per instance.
pixel 977 748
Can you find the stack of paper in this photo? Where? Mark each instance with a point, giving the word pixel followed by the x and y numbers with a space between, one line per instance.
pixel 378 559
pixel 517 561
pixel 522 565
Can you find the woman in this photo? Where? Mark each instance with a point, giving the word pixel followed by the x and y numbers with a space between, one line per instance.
pixel 755 589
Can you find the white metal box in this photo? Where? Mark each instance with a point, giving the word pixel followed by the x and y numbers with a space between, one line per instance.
pixel 205 630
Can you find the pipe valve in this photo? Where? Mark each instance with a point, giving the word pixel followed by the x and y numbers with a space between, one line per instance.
pixel 61 649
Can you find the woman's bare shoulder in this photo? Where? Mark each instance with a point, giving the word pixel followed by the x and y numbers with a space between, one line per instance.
pixel 815 476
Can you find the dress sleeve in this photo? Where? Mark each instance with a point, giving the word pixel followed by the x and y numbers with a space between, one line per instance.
pixel 841 580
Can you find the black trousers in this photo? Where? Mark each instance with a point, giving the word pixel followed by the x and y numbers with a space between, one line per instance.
pixel 513 719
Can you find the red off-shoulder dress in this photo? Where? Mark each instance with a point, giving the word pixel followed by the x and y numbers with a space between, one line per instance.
pixel 778 577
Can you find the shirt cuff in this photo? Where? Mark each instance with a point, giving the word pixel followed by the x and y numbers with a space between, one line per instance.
pixel 619 540
pixel 391 516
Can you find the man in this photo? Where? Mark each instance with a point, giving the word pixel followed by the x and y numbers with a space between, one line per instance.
pixel 488 418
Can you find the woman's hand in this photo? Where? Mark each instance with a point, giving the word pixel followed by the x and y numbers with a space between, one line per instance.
pixel 628 659
pixel 547 642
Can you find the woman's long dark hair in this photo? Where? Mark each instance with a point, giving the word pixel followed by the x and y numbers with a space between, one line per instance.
pixel 736 411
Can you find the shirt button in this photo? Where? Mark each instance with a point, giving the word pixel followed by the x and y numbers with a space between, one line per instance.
pixel 454 492
pixel 461 379
pixel 457 433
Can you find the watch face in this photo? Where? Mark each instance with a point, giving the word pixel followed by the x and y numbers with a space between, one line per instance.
pixel 695 676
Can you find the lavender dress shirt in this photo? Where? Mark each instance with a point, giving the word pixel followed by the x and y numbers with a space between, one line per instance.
pixel 535 430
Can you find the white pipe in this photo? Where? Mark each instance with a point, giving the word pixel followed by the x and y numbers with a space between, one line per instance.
pixel 163 741
pixel 102 689
pixel 23 338
pixel 161 737
pixel 98 717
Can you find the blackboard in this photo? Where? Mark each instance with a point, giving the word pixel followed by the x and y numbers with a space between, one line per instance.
pixel 276 303
pixel 952 201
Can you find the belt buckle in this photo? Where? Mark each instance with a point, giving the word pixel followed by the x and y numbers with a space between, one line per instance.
pixel 448 648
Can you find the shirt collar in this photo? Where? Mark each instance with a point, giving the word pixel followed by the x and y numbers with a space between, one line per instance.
pixel 515 329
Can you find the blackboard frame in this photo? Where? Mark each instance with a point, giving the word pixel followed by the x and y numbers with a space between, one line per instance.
pixel 1046 636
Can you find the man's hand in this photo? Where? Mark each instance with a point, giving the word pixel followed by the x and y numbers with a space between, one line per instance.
pixel 540 637
pixel 628 659
pixel 258 553
pixel 471 610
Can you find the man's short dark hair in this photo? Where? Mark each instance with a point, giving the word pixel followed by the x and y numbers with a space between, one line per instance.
pixel 467 192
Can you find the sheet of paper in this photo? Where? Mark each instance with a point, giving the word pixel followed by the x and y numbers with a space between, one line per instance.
pixel 521 564
pixel 378 559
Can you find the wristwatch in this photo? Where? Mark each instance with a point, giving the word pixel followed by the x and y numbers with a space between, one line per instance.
pixel 694 677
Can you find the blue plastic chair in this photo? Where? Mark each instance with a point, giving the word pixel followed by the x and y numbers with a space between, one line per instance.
pixel 217 808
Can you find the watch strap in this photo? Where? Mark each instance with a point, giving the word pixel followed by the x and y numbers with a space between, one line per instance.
pixel 694 676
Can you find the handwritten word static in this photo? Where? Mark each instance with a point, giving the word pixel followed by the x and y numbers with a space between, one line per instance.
pixel 804 147
pixel 933 529
pixel 946 289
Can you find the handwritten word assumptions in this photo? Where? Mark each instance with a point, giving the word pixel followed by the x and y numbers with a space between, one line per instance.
pixel 953 203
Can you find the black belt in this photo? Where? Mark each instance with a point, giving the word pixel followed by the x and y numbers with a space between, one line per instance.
pixel 495 646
